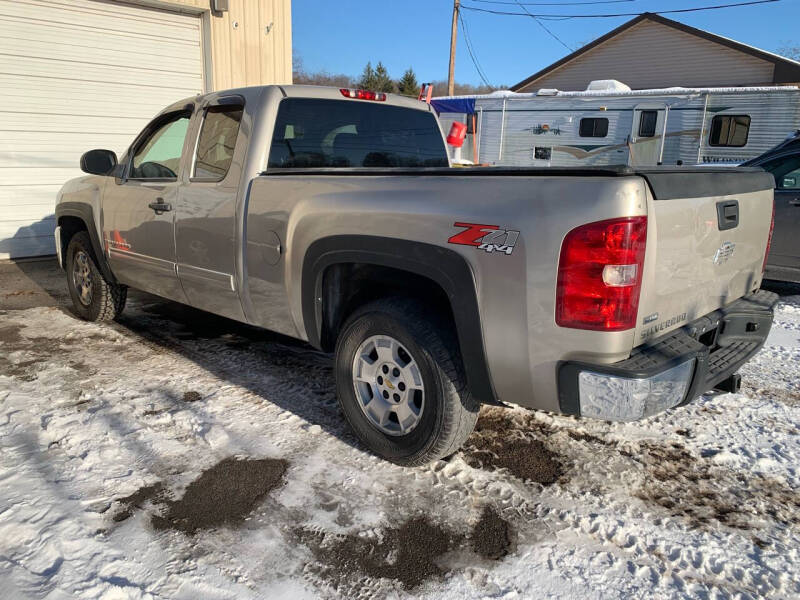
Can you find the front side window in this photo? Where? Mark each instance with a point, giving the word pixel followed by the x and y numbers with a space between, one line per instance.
pixel 158 155
pixel 786 171
pixel 729 130
pixel 647 123
pixel 352 133
pixel 593 127
pixel 217 142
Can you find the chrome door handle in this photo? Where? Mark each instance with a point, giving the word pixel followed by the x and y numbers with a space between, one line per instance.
pixel 160 206
pixel 795 201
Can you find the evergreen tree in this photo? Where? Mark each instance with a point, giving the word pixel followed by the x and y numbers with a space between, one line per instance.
pixel 407 85
pixel 369 80
pixel 383 83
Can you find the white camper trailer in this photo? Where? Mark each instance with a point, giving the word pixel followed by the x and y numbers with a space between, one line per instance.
pixel 611 124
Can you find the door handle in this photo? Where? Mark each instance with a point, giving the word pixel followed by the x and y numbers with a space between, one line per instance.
pixel 795 201
pixel 160 207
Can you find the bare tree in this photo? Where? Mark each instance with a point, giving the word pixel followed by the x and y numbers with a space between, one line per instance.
pixel 789 51
pixel 301 76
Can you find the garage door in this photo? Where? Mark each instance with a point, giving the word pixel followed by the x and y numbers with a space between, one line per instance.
pixel 77 75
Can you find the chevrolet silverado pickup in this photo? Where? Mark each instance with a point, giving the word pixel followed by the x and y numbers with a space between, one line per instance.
pixel 333 216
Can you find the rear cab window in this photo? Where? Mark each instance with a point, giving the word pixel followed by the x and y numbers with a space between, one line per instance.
pixel 312 132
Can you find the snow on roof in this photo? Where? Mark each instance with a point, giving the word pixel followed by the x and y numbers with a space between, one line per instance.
pixel 670 91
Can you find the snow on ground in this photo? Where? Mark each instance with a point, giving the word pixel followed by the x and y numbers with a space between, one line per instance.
pixel 105 431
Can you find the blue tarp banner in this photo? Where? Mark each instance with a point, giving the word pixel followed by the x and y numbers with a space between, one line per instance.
pixel 454 105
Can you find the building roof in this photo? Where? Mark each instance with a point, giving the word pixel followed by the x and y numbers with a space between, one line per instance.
pixel 786 70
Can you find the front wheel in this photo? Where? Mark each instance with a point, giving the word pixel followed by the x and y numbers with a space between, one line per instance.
pixel 93 298
pixel 400 383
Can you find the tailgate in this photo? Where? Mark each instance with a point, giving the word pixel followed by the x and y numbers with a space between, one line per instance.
pixel 706 239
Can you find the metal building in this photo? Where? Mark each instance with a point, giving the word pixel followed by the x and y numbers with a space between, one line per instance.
pixel 83 74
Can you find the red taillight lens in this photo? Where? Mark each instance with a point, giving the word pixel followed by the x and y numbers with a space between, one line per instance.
pixel 600 275
pixel 769 238
pixel 363 94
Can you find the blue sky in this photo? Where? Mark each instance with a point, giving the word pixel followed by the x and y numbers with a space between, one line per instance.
pixel 339 36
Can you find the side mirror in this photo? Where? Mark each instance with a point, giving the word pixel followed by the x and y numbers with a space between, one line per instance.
pixel 98 162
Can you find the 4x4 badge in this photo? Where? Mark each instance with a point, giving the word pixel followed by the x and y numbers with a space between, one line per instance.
pixel 489 238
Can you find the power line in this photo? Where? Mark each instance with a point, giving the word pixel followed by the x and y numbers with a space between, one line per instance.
pixel 632 14
pixel 543 26
pixel 554 3
pixel 471 51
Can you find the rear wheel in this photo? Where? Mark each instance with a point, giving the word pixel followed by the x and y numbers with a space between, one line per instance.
pixel 93 298
pixel 400 382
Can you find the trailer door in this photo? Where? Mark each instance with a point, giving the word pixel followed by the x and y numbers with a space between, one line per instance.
pixel 646 144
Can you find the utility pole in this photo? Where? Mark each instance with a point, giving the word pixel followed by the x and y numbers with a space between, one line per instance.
pixel 451 74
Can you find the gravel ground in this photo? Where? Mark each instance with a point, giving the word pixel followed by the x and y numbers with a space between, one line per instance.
pixel 175 454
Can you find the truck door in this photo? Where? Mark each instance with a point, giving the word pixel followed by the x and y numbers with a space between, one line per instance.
pixel 205 225
pixel 647 135
pixel 138 225
pixel 785 249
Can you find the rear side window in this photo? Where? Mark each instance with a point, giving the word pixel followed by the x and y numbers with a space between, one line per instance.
pixel 593 127
pixel 217 142
pixel 729 130
pixel 351 133
pixel 647 123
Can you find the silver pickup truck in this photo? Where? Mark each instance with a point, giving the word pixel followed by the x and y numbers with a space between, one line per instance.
pixel 333 216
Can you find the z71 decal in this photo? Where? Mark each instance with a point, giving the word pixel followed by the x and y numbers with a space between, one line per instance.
pixel 485 237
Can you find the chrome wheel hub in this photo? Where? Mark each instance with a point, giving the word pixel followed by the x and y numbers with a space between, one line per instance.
pixel 388 385
pixel 82 277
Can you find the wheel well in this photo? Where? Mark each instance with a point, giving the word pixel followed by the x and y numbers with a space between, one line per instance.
pixel 69 227
pixel 346 286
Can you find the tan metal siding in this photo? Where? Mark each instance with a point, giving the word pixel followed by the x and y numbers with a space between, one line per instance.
pixel 247 54
pixel 651 55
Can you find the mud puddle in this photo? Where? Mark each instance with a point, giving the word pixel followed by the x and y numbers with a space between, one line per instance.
pixel 706 494
pixel 225 494
pixel 409 554
pixel 138 500
pixel 492 537
pixel 499 442
pixel 10 334
pixel 192 396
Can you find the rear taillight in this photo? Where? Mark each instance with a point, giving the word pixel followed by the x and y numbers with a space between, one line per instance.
pixel 363 94
pixel 769 238
pixel 600 275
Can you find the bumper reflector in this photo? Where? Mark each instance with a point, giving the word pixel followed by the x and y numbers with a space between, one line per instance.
pixel 604 396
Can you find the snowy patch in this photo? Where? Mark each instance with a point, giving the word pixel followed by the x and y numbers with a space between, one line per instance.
pixel 115 441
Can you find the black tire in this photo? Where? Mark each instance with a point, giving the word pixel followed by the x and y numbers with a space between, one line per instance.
pixel 105 300
pixel 449 411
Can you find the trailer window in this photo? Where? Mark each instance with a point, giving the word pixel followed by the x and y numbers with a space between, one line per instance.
pixel 311 132
pixel 729 130
pixel 593 127
pixel 647 123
